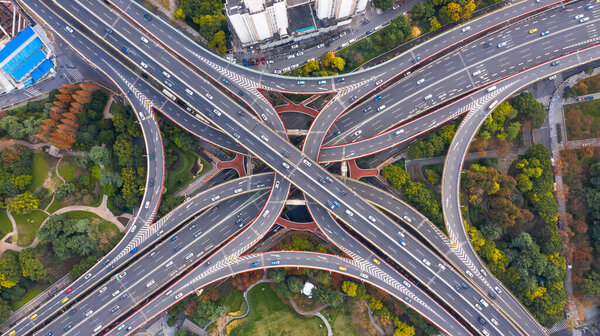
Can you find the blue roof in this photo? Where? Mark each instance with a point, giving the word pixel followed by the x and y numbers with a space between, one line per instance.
pixel 24 54
pixel 28 82
pixel 40 71
pixel 15 43
pixel 31 63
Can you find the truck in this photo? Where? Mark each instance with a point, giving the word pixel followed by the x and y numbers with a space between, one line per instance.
pixel 169 94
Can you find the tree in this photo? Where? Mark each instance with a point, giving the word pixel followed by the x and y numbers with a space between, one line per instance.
pixel 294 284
pixel 64 190
pixel 491 231
pixel 31 266
pixel 383 4
pixel 208 311
pixel 350 287
pixel 418 10
pixel 395 175
pixel 434 24
pixel 530 108
pixel 23 203
pixel 100 155
pixel 122 148
pixel 522 241
pixel 326 59
pixel 375 304
pixel 468 10
pixel 278 275
pixel 10 270
pixel 591 284
pixel 5 310
pixel 219 42
pixel 179 14
pixel 454 11
pixel 66 236
pixel 337 63
pixel 323 295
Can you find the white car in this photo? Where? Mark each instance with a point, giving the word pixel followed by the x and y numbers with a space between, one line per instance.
pixel 426 262
pixel 469 273
pixel 497 289
pixel 420 81
pixel 69 29
pixel 579 16
pixel 500 45
pixel 166 74
pixel 144 65
pixel 476 73
pixel 406 283
pixel 144 39
pixel 357 133
pixel 466 29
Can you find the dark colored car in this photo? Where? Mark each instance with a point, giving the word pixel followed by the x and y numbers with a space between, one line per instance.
pixel 148 17
pixel 245 62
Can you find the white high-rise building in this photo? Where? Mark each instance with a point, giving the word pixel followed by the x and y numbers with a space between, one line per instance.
pixel 256 20
pixel 339 9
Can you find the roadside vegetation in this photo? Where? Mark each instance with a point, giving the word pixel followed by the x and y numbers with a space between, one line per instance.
pixel 206 16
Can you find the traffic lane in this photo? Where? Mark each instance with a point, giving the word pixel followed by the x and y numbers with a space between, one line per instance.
pixel 217 68
pixel 460 146
pixel 481 65
pixel 208 229
pixel 373 267
pixel 210 133
pixel 285 258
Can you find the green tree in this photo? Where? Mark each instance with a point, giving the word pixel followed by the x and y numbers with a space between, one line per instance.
pixel 5 310
pixel 64 190
pixel 100 155
pixel 383 4
pixel 434 24
pixel 591 284
pixel 294 284
pixel 323 295
pixel 31 266
pixel 530 108
pixel 208 311
pixel 395 175
pixel 418 11
pixel 122 148
pixel 277 274
pixel 219 42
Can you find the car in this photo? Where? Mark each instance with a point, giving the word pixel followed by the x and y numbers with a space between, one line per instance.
pixel 420 81
pixel 372 219
pixel 294 46
pixel 497 290
pixel 441 266
pixel 144 39
pixel 343 191
pixel 466 29
pixel 532 31
pixel 464 285
pixel 197 234
pixel 367 109
pixel 482 321
pixel 300 82
pixel 555 63
pixel 407 299
pixel 69 29
pixel 67 328
pixel 117 292
pixel 500 45
pixel 457 288
pixel 151 183
pixel 379 82
pixel 125 50
pixel 87 276
pixel 484 303
pixel 174 238
pixel 178 296
pixel 72 311
pixel 124 296
pixel 585 19
pixel 492 295
pixel 321 45
pixel 342 268
pixel 378 98
pixel 103 289
pixel 256 61
pixel 64 300
pixel 168 83
pixel 469 273
pixel 336 203
pixel 544 33
pixel 349 213
pixel 416 59
pixel 108 30
pixel 330 205
pixel 553 77
pixel 262 60
pixel 245 62
pixel 376 261
pixel 406 283
pixel 88 313
pixel 322 82
pixel 169 292
pixel 148 17
pixel 587 8
pixel 340 80
pixel 494 321
pixel 69 290
pixel 357 133
pixel 578 16
pixel 255 264
pixel 487 45
pixel 483 272
pixel 353 98
pixel 275 262
pixel 207 263
pixel 114 309
pixel 135 249
pixel 402 242
pixel 476 73
pixel 277 184
pixel 285 165
pixel 121 327
pixel 177 248
pixel 426 262
pixel 401 234
pixel 478 306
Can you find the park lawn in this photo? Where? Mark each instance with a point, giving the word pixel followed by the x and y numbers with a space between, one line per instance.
pixel 342 325
pixel 5 224
pixel 55 205
pixel 107 228
pixel 270 316
pixel 588 128
pixel 231 297
pixel 182 176
pixel 40 171
pixel 68 170
pixel 28 226
pixel 206 166
pixel 33 292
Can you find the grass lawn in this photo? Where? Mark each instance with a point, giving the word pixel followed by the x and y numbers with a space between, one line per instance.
pixel 105 226
pixel 342 325
pixel 181 176
pixel 270 316
pixel 205 166
pixel 583 120
pixel 231 297
pixel 55 205
pixel 33 292
pixel 40 171
pixel 28 226
pixel 5 224
pixel 68 171
pixel 433 173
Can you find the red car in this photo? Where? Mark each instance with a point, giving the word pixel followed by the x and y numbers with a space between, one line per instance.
pixel 69 290
pixel 263 60
pixel 257 61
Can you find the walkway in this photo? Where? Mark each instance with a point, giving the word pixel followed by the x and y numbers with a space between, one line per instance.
pixel 290 106
pixel 315 312
pixel 356 172
pixel 379 330
pixel 101 210
pixel 290 225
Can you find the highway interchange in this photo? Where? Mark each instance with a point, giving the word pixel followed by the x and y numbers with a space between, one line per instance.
pixel 388 260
